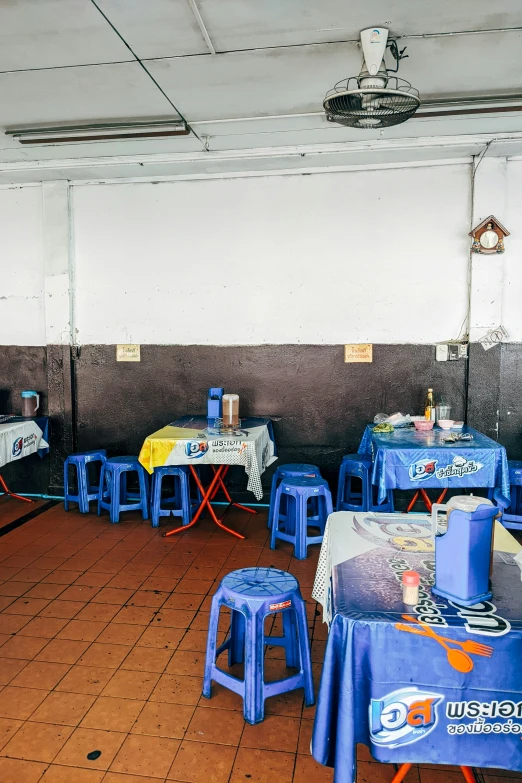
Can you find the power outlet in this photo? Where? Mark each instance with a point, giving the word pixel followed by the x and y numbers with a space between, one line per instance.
pixel 453 351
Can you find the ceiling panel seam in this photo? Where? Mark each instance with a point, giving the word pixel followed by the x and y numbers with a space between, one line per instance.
pixel 151 77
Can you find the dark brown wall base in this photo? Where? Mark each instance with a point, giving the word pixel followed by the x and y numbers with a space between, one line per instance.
pixel 318 403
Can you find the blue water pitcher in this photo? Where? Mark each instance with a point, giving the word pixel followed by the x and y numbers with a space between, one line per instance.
pixel 463 550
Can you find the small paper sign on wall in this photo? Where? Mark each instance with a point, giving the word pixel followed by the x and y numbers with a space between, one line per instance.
pixel 128 353
pixel 358 352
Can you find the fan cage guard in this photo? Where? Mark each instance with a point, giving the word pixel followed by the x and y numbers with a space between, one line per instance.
pixel 397 103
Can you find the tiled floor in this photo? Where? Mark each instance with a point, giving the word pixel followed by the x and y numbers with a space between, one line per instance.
pixel 102 638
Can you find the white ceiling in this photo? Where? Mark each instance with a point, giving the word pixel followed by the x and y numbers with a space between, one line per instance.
pixel 77 61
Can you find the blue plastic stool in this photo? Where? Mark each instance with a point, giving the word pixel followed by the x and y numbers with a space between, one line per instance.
pixel 292 470
pixel 113 488
pixel 298 492
pixel 348 499
pixel 86 491
pixel 180 503
pixel 252 594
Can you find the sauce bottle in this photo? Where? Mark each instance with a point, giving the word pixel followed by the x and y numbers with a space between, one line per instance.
pixel 429 407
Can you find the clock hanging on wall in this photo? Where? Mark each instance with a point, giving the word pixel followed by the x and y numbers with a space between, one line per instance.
pixel 488 236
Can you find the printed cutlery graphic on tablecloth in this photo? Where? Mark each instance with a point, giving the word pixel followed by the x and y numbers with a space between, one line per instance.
pixel 458 659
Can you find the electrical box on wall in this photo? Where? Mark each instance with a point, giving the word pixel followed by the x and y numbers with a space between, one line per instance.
pixel 450 351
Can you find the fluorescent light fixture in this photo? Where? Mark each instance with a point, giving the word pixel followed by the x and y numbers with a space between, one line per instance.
pixel 107 132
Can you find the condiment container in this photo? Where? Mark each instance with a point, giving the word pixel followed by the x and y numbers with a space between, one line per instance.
pixel 410 587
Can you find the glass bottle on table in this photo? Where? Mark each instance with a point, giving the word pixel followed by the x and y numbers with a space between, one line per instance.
pixel 429 406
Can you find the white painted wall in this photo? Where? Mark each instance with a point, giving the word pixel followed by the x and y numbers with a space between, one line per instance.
pixel 512 289
pixel 22 319
pixel 373 256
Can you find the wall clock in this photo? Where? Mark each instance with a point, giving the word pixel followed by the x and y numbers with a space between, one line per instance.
pixel 488 236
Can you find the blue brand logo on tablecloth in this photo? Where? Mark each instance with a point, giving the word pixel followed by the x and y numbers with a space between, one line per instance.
pixel 18 446
pixel 403 716
pixel 196 449
pixel 422 469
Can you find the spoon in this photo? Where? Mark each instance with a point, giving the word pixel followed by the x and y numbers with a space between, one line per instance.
pixel 458 659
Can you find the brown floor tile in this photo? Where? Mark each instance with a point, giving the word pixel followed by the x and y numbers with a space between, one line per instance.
pixel 98 612
pixel 45 627
pixel 63 708
pixel 113 595
pixel 42 590
pixel 147 659
pixel 8 727
pixel 159 583
pixel 164 638
pixel 305 738
pixel 26 647
pixel 58 774
pixel 85 679
pixel 37 741
pixel 377 773
pixel 307 770
pixel 78 592
pixel 194 640
pixel 428 775
pixel 41 674
pixel 108 655
pixel 173 689
pixel 112 714
pixel 290 704
pixel 29 606
pixel 274 733
pixel 200 761
pixel 217 726
pixel 9 668
pixel 120 777
pixel 163 720
pixel 131 684
pixel 183 601
pixel 222 699
pixel 174 618
pixel 262 766
pixel 93 579
pixel 129 581
pixel 64 609
pixel 145 755
pixel 135 615
pixel 12 623
pixel 18 771
pixel 19 703
pixel 120 633
pixel 194 586
pixel 62 577
pixel 151 598
pixel 82 630
pixel 14 588
pixel 187 662
pixel 62 651
pixel 83 742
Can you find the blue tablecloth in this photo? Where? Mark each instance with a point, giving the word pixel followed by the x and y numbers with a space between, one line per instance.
pixel 409 459
pixel 396 691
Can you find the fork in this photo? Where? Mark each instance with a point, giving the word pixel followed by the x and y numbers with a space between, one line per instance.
pixel 468 645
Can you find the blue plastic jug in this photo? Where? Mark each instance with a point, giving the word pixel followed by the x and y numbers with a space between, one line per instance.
pixel 463 552
pixel 214 405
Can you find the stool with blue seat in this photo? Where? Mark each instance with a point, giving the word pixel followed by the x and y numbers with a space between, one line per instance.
pixel 251 594
pixel 308 502
pixel 291 470
pixel 512 506
pixel 86 491
pixel 179 504
pixel 362 497
pixel 113 488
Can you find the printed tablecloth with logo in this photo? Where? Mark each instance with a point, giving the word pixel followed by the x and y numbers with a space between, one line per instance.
pixel 388 683
pixel 20 437
pixel 189 441
pixel 409 459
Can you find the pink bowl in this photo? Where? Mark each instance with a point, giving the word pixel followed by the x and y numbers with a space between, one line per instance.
pixel 424 425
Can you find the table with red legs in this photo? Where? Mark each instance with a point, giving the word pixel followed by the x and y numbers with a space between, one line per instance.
pixel 189 441
pixel 20 437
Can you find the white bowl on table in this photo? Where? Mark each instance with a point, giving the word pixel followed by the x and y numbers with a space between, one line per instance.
pixel 445 424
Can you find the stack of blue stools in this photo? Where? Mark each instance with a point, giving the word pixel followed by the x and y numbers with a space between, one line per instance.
pixel 512 514
pixel 113 494
pixel 359 495
pixel 86 491
pixel 299 502
pixel 179 504
pixel 292 470
pixel 251 594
